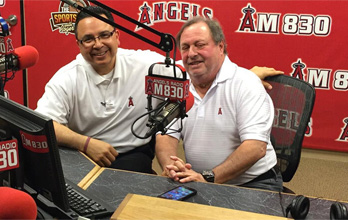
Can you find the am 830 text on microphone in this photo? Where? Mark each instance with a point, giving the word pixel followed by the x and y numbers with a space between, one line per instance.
pixel 178 99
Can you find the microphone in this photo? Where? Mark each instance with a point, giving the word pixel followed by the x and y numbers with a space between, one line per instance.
pixel 176 92
pixel 172 110
pixel 21 58
pixel 16 204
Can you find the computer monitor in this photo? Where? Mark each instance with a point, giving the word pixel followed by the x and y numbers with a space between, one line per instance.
pixel 40 171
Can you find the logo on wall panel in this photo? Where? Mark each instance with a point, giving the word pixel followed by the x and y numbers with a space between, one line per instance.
pixel 344 131
pixel 255 22
pixel 171 11
pixel 64 19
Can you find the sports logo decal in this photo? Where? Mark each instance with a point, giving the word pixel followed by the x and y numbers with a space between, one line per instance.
pixel 64 19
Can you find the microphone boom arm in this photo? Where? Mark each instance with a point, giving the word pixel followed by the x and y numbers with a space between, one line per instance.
pixel 165 44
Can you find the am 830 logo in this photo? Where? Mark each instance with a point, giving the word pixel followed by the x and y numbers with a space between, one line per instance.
pixel 9 155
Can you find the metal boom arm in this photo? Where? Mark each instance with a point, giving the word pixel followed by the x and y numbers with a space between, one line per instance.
pixel 165 44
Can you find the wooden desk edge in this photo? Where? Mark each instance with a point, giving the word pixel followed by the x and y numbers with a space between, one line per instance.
pixel 136 206
pixel 121 207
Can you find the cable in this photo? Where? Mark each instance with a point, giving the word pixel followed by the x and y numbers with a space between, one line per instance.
pixel 159 107
pixel 281 204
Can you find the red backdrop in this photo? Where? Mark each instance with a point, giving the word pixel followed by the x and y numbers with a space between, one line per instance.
pixel 305 39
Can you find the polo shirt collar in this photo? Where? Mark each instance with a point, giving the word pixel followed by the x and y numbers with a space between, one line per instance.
pixel 96 78
pixel 226 71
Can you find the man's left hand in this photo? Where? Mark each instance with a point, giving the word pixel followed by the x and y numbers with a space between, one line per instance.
pixel 182 172
pixel 263 72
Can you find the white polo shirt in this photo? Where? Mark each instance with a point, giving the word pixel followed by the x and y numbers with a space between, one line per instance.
pixel 236 108
pixel 91 105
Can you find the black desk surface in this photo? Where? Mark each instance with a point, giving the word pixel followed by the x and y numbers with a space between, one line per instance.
pixel 75 165
pixel 113 185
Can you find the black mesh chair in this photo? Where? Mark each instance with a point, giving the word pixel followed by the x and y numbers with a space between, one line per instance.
pixel 293 101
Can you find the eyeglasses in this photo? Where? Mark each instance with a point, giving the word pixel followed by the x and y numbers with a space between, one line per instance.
pixel 89 40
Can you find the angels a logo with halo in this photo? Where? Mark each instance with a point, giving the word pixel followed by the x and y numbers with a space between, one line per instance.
pixel 64 19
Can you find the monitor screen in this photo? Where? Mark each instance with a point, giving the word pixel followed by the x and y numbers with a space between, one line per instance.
pixel 39 162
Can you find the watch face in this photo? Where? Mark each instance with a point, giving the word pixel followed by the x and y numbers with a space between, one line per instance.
pixel 208 175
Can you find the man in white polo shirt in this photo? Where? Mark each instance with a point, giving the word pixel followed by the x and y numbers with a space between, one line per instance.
pixel 95 99
pixel 226 136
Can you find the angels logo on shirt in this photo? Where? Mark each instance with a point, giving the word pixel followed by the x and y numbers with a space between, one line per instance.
pixel 130 102
pixel 220 111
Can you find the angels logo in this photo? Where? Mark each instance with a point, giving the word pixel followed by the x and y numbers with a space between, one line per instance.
pixel 309 129
pixel 319 78
pixel 344 132
pixel 286 119
pixel 171 11
pixel 149 86
pixel 248 20
pixel 64 20
pixel 130 102
pixel 298 69
pixel 220 111
pixel 6 45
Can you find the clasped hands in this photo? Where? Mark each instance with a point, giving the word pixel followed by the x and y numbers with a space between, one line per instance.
pixel 181 171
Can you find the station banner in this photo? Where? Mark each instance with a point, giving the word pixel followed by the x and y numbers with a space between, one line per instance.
pixel 305 39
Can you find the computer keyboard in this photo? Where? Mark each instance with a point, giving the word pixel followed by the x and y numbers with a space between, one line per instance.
pixel 86 205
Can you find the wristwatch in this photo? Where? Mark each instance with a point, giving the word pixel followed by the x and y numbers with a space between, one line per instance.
pixel 208 175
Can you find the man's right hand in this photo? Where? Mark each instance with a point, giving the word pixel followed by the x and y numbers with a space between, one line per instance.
pixel 101 152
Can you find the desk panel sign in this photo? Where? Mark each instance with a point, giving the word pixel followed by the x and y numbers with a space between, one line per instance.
pixel 9 155
pixel 34 143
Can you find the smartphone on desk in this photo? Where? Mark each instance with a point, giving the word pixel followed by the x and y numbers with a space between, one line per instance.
pixel 179 193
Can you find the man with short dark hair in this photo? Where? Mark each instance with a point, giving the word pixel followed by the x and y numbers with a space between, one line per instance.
pixel 95 99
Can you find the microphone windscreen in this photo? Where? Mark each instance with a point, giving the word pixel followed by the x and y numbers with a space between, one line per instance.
pixel 27 56
pixel 189 101
pixel 16 204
